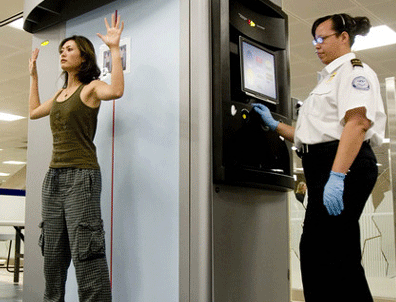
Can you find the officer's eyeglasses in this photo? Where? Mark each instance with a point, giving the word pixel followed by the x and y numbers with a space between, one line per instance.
pixel 320 40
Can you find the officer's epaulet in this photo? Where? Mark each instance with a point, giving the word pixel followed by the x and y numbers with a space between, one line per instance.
pixel 356 63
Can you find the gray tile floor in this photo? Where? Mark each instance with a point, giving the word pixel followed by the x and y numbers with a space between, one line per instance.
pixel 10 291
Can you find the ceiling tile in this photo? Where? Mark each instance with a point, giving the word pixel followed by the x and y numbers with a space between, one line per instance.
pixel 384 53
pixel 300 33
pixel 385 11
pixel 362 12
pixel 303 67
pixel 387 69
pixel 305 51
pixel 17 39
pixel 292 20
pixel 6 51
pixel 316 9
pixel 6 68
pixel 370 2
pixel 20 59
pixel 10 8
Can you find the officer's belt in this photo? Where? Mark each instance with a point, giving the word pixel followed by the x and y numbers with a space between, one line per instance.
pixel 319 148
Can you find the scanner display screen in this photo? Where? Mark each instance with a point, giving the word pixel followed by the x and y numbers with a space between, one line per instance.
pixel 257 70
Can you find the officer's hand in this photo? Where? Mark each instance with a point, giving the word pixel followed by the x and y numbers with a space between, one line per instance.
pixel 266 116
pixel 333 192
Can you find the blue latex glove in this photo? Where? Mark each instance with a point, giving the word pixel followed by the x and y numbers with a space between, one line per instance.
pixel 333 192
pixel 266 116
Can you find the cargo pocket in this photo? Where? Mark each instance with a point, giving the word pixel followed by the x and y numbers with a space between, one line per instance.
pixel 41 238
pixel 91 241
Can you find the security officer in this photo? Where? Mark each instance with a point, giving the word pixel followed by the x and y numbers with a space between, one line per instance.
pixel 339 122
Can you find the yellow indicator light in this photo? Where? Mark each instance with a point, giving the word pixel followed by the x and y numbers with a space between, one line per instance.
pixel 251 23
pixel 45 43
pixel 244 116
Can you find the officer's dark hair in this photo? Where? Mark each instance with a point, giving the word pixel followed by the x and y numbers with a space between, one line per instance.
pixel 344 22
pixel 89 69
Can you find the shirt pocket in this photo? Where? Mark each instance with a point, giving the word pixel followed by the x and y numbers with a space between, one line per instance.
pixel 319 100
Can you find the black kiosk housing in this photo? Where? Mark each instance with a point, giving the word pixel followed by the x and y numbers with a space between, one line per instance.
pixel 250 65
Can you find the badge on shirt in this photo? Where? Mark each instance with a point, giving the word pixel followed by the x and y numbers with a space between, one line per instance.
pixel 332 76
pixel 361 83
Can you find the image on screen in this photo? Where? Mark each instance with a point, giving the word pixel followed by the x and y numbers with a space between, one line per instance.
pixel 257 70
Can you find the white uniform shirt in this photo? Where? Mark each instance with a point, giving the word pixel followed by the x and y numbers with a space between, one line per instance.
pixel 341 87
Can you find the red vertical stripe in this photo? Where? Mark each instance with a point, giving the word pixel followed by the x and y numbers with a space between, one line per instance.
pixel 112 196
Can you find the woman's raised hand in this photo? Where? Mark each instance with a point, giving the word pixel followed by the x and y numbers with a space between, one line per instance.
pixel 112 38
pixel 32 62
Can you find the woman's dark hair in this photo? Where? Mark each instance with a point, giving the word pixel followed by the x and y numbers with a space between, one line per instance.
pixel 89 70
pixel 344 22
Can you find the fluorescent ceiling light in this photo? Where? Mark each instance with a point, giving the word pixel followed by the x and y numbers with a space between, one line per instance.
pixel 378 36
pixel 9 117
pixel 18 24
pixel 14 162
pixel 4 174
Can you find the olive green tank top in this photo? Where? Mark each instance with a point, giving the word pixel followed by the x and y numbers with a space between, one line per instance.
pixel 73 126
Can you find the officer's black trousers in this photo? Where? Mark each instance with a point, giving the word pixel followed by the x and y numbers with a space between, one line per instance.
pixel 330 245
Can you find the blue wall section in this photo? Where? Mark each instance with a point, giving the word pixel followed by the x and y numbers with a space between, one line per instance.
pixel 146 201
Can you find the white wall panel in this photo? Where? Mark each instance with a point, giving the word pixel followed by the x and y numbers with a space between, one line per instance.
pixel 38 159
pixel 146 182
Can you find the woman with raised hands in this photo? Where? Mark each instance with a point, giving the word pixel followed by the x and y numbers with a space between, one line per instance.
pixel 72 227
